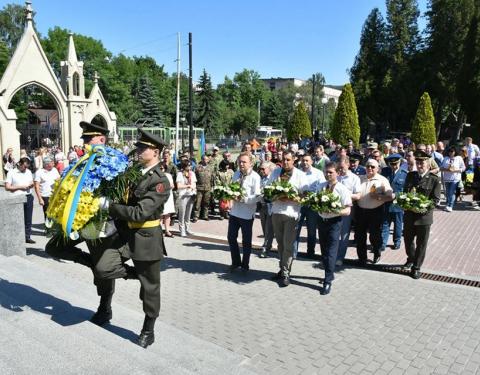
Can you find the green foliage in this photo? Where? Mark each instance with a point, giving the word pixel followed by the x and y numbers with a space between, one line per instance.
pixel 244 120
pixel 273 112
pixel 468 87
pixel 4 57
pixel 423 128
pixel 345 124
pixel 300 126
pixel 12 21
pixel 206 105
pixel 151 115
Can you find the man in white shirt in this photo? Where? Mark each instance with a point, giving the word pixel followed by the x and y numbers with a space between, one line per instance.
pixel 375 190
pixel 352 182
pixel 312 177
pixel 330 224
pixel 242 213
pixel 20 182
pixel 44 180
pixel 285 215
pixel 472 150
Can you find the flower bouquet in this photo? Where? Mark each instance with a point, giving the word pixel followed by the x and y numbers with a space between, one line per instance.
pixel 280 189
pixel 324 202
pixel 74 208
pixel 414 202
pixel 227 193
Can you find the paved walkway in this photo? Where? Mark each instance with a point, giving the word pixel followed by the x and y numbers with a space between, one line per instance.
pixel 372 323
pixel 454 244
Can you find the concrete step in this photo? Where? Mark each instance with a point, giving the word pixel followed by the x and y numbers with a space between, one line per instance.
pixel 54 349
pixel 176 350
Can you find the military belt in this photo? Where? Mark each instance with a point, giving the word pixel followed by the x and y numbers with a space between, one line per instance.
pixel 144 224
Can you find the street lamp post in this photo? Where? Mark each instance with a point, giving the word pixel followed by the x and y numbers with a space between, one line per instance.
pixel 324 103
pixel 183 120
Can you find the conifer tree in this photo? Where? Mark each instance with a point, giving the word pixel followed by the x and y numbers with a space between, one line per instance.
pixel 206 104
pixel 273 114
pixel 345 123
pixel 423 128
pixel 4 57
pixel 300 126
pixel 149 105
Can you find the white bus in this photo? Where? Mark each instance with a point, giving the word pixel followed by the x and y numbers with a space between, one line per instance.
pixel 264 133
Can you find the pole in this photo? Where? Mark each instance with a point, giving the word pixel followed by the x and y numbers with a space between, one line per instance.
pixel 177 116
pixel 258 122
pixel 313 125
pixel 323 121
pixel 190 95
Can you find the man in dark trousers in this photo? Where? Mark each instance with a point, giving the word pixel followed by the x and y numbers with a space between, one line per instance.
pixel 145 237
pixel 396 176
pixel 107 255
pixel 417 226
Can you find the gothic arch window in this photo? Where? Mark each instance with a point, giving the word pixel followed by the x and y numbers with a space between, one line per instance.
pixel 76 84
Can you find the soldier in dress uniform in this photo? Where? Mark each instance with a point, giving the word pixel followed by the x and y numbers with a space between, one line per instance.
pixel 145 238
pixel 416 225
pixel 107 255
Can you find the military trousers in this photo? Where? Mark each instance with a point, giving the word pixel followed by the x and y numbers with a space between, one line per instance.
pixel 284 228
pixel 149 276
pixel 106 259
pixel 416 240
pixel 202 203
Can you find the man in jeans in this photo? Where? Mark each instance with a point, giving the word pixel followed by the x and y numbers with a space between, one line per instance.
pixel 312 177
pixel 285 215
pixel 243 212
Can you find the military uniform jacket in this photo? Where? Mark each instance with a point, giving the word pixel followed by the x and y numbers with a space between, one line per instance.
pixel 204 177
pixel 145 203
pixel 428 185
pixel 397 181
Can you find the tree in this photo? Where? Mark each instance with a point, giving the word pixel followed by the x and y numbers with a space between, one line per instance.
pixel 423 128
pixel 468 88
pixel 12 22
pixel 345 123
pixel 447 27
pixel 206 104
pixel 300 126
pixel 273 113
pixel 403 79
pixel 369 71
pixel 244 120
pixel 4 57
pixel 148 103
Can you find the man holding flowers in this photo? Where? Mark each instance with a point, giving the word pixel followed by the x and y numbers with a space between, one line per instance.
pixel 286 212
pixel 242 212
pixel 417 224
pixel 142 212
pixel 107 254
pixel 336 204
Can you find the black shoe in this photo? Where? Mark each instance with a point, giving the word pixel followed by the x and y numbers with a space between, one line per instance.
pixel 362 262
pixel 131 272
pixel 263 254
pixel 101 317
pixel 382 249
pixel 277 276
pixel 146 338
pixel 194 220
pixel 396 247
pixel 408 265
pixel 285 281
pixel 327 288
pixel 415 274
pixel 233 267
pixel 245 268
pixel 29 240
pixel 376 258
pixel 310 255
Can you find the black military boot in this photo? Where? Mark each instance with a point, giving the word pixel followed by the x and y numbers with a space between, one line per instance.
pixel 104 311
pixel 147 336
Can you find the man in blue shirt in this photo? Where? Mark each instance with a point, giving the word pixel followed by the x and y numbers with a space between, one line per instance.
pixel 396 176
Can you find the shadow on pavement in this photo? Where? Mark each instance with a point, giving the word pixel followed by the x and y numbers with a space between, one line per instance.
pixel 61 312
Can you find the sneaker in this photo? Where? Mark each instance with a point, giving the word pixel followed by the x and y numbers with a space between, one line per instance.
pixel 183 234
pixel 190 233
pixel 263 254
pixel 448 209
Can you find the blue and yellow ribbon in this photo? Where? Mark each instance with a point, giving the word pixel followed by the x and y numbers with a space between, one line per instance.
pixel 74 196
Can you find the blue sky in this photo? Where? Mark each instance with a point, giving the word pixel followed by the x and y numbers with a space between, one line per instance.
pixel 276 38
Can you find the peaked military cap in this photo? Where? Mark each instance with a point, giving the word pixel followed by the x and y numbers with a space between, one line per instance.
pixel 91 130
pixel 355 156
pixel 394 158
pixel 150 140
pixel 421 155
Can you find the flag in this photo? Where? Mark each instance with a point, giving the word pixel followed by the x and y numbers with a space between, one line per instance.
pixel 202 148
